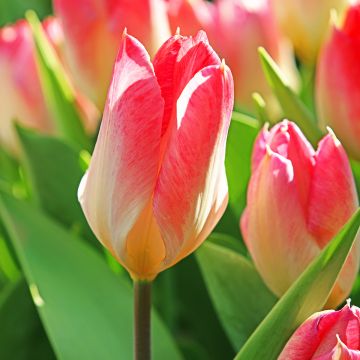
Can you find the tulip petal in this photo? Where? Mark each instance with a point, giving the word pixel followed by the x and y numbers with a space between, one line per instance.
pixel 333 197
pixel 191 190
pixel 304 342
pixel 176 62
pixel 122 173
pixel 342 352
pixel 279 245
pixel 337 82
pixel 318 337
pixel 164 65
pixel 259 149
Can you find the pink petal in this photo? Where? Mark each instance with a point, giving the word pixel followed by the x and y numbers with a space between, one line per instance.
pixel 164 65
pixel 305 340
pixel 124 167
pixel 317 337
pixel 337 82
pixel 259 150
pixel 274 226
pixel 342 352
pixel 191 191
pixel 93 31
pixel 177 61
pixel 333 196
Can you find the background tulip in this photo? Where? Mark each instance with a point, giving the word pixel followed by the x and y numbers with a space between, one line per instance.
pixel 306 23
pixel 298 199
pixel 93 31
pixel 327 335
pixel 21 97
pixel 338 82
pixel 156 185
pixel 236 29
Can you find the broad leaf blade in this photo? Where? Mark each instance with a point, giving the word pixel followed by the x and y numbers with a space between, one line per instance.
pixel 22 336
pixel 86 309
pixel 54 171
pixel 294 109
pixel 239 295
pixel 305 297
pixel 59 94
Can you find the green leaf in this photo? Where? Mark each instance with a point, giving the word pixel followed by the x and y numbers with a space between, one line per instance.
pixel 239 295
pixel 22 336
pixel 294 109
pixel 58 93
pixel 86 309
pixel 260 107
pixel 195 320
pixel 355 165
pixel 242 133
pixel 305 297
pixel 228 242
pixel 54 171
pixel 10 11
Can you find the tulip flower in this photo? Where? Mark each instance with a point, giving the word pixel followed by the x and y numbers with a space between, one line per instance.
pixel 338 82
pixel 297 201
pixel 93 29
pixel 156 185
pixel 21 97
pixel 326 335
pixel 236 29
pixel 306 23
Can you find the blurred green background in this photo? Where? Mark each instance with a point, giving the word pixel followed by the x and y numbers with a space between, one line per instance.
pixel 11 10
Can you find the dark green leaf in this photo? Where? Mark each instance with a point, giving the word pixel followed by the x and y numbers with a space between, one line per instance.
pixel 239 295
pixel 22 336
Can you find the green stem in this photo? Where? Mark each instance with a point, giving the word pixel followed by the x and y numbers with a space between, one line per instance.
pixel 142 319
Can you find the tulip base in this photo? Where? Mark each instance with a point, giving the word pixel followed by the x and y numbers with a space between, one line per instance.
pixel 142 320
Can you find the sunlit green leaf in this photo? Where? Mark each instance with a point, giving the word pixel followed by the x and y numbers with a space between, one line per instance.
pixel 54 171
pixel 294 109
pixel 58 93
pixel 86 309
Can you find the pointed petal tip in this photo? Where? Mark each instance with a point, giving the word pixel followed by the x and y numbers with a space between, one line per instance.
pixel 177 32
pixel 124 34
pixel 269 152
pixel 333 136
pixel 222 65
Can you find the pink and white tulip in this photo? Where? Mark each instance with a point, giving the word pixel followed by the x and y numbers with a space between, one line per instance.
pixel 156 185
pixel 21 97
pixel 93 31
pixel 326 335
pixel 338 82
pixel 306 23
pixel 298 199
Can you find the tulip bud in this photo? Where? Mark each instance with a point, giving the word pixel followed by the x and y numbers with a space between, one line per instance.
pixel 297 201
pixel 156 185
pixel 306 23
pixel 326 335
pixel 93 31
pixel 236 29
pixel 338 82
pixel 21 98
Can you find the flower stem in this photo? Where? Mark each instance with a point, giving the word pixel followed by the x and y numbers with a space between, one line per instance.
pixel 142 316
